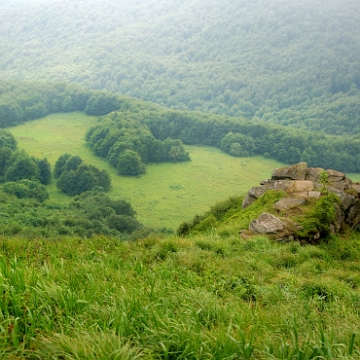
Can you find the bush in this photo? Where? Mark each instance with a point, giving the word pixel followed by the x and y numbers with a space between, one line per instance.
pixel 75 177
pixel 123 223
pixel 129 163
pixel 26 189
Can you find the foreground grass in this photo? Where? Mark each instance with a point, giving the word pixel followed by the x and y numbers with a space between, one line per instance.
pixel 168 193
pixel 201 298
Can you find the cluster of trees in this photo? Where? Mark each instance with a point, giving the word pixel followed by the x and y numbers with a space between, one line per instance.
pixel 128 145
pixel 91 213
pixel 74 177
pixel 26 189
pixel 291 63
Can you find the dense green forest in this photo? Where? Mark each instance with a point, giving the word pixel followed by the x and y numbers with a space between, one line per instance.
pixel 291 63
pixel 151 133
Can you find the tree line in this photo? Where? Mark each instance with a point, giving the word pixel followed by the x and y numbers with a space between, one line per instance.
pixel 21 102
pixel 140 132
pixel 239 137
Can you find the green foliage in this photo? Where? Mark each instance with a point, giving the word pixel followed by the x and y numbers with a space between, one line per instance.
pixel 5 156
pixel 75 177
pixel 321 217
pixel 237 144
pixel 158 135
pixel 128 145
pixel 21 166
pixel 23 211
pixel 61 164
pixel 7 140
pixel 10 113
pixel 210 176
pixel 227 218
pixel 230 213
pixel 97 205
pixel 22 102
pixel 102 104
pixel 183 229
pixel 129 163
pixel 26 189
pixel 45 171
pixel 122 223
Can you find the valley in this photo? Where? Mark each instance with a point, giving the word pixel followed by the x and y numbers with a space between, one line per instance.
pixel 186 105
pixel 168 193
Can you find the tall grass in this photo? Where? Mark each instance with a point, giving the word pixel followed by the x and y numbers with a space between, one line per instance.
pixel 203 298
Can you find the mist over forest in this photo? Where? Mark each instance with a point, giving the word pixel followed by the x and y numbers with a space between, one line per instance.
pixel 283 62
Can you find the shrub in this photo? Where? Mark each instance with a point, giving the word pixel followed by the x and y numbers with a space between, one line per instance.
pixel 26 189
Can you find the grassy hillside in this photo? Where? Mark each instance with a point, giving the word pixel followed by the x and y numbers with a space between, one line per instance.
pixel 169 193
pixel 201 298
pixel 212 56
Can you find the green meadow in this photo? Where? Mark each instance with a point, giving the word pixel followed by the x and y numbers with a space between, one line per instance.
pixel 168 193
pixel 201 298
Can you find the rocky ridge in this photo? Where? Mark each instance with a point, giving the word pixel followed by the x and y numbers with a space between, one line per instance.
pixel 302 184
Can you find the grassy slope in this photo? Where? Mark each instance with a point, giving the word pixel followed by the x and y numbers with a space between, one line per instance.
pixel 200 298
pixel 169 193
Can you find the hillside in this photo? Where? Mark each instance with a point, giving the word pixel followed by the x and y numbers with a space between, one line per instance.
pixel 293 63
pixel 205 297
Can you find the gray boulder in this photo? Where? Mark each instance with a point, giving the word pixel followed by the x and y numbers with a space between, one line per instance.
pixel 345 199
pixel 248 200
pixel 266 224
pixel 294 172
pixel 313 174
pixel 289 203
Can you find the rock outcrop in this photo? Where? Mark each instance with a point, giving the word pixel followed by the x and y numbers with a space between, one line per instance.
pixel 302 184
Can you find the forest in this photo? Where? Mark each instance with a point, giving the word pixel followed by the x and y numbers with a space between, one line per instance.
pixel 150 133
pixel 276 61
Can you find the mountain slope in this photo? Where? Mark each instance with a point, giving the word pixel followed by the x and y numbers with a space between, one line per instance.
pixel 292 63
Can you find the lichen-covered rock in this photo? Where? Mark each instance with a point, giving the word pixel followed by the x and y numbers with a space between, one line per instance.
pixel 313 174
pixel 266 224
pixel 301 186
pixel 345 199
pixel 257 191
pixel 353 215
pixel 314 194
pixel 289 203
pixel 335 176
pixel 248 200
pixel 294 172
